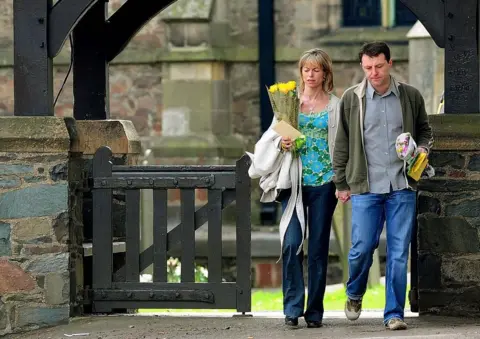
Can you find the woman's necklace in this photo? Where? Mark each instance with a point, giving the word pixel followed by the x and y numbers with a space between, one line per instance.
pixel 312 106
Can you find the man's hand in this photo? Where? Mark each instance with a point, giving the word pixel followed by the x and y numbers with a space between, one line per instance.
pixel 343 196
pixel 286 143
pixel 422 150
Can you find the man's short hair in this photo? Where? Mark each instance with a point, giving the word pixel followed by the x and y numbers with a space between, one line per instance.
pixel 374 49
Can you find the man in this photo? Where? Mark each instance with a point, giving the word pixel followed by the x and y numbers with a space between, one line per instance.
pixel 369 172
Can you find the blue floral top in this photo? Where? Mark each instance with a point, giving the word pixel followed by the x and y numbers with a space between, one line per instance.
pixel 316 162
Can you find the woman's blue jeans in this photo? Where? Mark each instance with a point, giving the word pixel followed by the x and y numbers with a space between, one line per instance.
pixel 319 203
pixel 369 213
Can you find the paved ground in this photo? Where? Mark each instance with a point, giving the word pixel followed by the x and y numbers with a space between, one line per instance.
pixel 268 325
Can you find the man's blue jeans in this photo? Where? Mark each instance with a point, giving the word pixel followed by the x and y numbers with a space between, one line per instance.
pixel 320 203
pixel 369 213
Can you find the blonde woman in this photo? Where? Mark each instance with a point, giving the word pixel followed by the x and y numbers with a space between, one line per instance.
pixel 317 121
pixel 303 185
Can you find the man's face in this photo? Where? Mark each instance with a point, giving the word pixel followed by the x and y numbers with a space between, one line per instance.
pixel 377 69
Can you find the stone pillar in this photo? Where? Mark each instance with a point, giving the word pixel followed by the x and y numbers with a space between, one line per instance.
pixel 122 138
pixel 449 220
pixel 196 118
pixel 426 66
pixel 44 166
pixel 39 209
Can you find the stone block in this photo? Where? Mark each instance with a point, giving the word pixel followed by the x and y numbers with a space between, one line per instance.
pixel 443 159
pixel 461 271
pixel 429 271
pixel 119 135
pixel 457 132
pixel 428 204
pixel 32 230
pixel 5 247
pixel 8 169
pixel 34 201
pixel 40 316
pixel 59 172
pixel 456 302
pixel 57 288
pixel 60 227
pixel 9 182
pixel 200 10
pixel 3 316
pixel 467 208
pixel 449 185
pixel 29 249
pixel 49 263
pixel 474 163
pixel 446 235
pixel 33 179
pixel 35 134
pixel 14 279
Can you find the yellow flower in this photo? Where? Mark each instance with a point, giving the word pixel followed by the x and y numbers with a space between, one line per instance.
pixel 282 88
pixel 273 88
pixel 292 85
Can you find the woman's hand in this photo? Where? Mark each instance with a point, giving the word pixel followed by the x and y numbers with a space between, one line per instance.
pixel 286 143
pixel 343 196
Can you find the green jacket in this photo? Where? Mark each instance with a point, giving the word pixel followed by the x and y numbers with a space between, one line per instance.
pixel 349 158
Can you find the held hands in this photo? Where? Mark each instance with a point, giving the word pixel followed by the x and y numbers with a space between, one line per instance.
pixel 343 196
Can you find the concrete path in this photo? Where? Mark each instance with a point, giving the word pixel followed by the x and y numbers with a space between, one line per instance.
pixel 263 325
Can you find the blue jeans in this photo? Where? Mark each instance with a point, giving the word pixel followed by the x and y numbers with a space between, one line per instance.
pixel 320 204
pixel 369 213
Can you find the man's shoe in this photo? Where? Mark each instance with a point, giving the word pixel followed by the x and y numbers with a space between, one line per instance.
pixel 314 324
pixel 292 322
pixel 353 308
pixel 396 324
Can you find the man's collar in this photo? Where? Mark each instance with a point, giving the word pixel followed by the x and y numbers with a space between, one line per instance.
pixel 393 89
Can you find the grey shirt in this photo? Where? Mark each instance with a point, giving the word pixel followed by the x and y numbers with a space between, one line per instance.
pixel 382 126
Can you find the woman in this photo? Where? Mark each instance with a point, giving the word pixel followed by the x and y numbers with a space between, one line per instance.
pixel 317 121
pixel 304 187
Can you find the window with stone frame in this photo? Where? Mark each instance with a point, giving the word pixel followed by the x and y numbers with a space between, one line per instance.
pixel 385 13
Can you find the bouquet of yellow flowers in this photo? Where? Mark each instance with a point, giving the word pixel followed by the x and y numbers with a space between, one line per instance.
pixel 285 104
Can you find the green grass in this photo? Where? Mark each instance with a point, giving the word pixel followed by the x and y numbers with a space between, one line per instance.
pixel 268 300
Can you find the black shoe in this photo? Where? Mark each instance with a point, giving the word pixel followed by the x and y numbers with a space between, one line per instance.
pixel 291 321
pixel 314 324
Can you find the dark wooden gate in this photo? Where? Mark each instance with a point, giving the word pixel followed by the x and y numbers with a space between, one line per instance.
pixel 225 184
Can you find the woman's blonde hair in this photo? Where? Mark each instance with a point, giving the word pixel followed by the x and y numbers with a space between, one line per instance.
pixel 318 57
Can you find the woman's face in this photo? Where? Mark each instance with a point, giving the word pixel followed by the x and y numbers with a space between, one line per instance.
pixel 312 75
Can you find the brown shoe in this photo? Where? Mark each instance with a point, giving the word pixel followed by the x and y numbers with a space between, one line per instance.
pixel 353 308
pixel 396 324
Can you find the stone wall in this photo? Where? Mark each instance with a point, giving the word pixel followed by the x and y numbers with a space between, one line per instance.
pixel 136 90
pixel 44 165
pixel 449 220
pixel 40 224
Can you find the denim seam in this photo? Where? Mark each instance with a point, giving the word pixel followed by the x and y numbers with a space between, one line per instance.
pixel 354 297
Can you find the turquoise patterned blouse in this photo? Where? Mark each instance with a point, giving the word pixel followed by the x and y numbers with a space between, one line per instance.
pixel 317 166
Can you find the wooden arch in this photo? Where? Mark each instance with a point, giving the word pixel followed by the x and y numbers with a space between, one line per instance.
pixel 40 31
